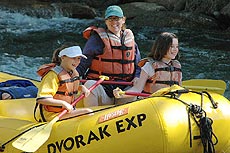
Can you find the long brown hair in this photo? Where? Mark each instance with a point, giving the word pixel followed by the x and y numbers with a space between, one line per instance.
pixel 162 45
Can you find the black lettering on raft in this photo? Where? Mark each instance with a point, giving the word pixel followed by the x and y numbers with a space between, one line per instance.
pixel 69 143
pixel 131 122
pixel 103 132
pixel 92 136
pixel 81 140
pixel 59 146
pixel 141 118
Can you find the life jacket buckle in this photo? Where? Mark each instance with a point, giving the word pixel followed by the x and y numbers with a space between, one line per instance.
pixel 171 68
pixel 67 93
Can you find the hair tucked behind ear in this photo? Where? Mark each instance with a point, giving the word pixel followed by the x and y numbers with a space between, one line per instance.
pixel 162 45
pixel 56 59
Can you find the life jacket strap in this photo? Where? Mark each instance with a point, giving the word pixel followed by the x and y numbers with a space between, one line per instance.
pixel 66 93
pixel 70 80
pixel 169 69
pixel 123 47
pixel 116 60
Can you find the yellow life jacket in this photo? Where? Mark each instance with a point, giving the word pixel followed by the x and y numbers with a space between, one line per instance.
pixel 67 86
pixel 118 58
pixel 165 74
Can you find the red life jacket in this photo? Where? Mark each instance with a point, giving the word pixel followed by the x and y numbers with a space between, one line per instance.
pixel 118 58
pixel 165 75
pixel 67 86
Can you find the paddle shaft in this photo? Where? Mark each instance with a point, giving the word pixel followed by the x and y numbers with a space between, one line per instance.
pixel 32 140
pixel 137 94
pixel 112 82
pixel 82 96
pixel 217 86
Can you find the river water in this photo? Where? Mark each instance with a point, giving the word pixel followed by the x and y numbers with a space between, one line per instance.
pixel 27 42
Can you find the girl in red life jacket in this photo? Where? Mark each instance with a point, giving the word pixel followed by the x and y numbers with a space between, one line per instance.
pixel 160 69
pixel 60 83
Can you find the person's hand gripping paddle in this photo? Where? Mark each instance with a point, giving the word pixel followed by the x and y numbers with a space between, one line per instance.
pixel 36 137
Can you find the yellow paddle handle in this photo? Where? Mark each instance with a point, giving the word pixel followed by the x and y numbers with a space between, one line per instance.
pixel 104 77
pixel 120 92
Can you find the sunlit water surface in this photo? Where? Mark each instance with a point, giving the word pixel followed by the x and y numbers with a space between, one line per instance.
pixel 27 42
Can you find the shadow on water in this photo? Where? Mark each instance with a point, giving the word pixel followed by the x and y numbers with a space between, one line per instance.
pixel 27 43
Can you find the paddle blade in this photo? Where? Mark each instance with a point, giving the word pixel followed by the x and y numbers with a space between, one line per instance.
pixel 217 86
pixel 35 138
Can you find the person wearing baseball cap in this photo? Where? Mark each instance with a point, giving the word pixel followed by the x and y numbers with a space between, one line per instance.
pixel 60 84
pixel 110 51
pixel 73 51
pixel 115 19
pixel 114 11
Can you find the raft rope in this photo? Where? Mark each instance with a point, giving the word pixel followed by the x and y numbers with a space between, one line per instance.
pixel 2 147
pixel 203 122
pixel 205 125
pixel 214 104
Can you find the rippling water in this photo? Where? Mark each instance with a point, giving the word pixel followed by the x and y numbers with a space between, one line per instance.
pixel 27 42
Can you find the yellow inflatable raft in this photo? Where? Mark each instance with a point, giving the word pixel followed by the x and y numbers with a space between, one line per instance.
pixel 172 120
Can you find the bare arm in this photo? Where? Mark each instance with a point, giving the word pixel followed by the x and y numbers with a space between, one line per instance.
pixel 55 102
pixel 138 86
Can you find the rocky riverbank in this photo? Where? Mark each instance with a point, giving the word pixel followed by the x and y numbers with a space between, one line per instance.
pixel 193 14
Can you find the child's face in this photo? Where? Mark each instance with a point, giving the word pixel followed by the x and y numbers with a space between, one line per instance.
pixel 173 50
pixel 70 63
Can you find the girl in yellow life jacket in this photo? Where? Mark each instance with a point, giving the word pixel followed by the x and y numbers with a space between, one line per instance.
pixel 160 69
pixel 60 83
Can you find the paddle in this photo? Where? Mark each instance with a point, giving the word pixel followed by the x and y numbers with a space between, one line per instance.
pixel 36 137
pixel 113 82
pixel 134 93
pixel 217 86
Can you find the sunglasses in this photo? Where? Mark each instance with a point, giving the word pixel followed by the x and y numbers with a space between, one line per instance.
pixel 110 19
